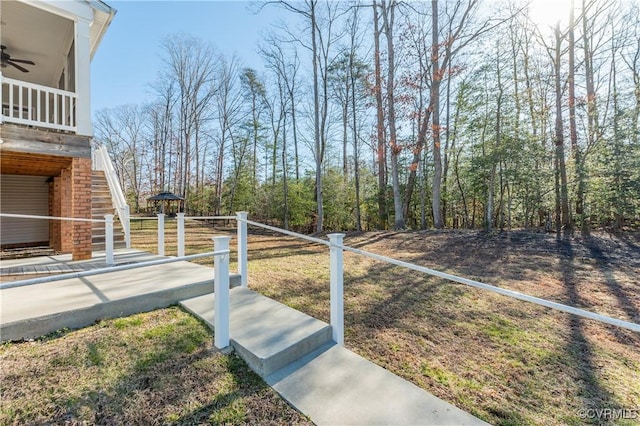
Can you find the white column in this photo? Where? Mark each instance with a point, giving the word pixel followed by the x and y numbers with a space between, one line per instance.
pixel 83 78
pixel 337 288
pixel 180 234
pixel 242 248
pixel 108 239
pixel 221 309
pixel 161 234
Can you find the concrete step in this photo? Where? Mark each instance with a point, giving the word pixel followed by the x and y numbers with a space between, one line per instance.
pixel 328 383
pixel 102 246
pixel 100 225
pixel 99 239
pixel 99 213
pixel 335 386
pixel 102 205
pixel 35 310
pixel 101 199
pixel 266 334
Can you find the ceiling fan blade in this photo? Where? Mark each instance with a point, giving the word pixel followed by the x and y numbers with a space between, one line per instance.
pixel 22 61
pixel 18 66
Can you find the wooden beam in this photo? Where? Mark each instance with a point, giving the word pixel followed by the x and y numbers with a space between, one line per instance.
pixel 21 139
pixel 16 163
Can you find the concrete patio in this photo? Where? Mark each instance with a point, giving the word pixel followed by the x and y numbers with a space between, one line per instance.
pixel 34 310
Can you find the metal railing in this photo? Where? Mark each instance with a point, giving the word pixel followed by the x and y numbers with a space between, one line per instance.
pixel 35 105
pixel 102 162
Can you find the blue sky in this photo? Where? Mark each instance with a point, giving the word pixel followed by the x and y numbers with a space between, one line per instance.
pixel 129 57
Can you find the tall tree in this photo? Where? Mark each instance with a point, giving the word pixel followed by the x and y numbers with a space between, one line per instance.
pixel 381 149
pixel 320 25
pixel 388 19
pixel 563 218
pixel 191 63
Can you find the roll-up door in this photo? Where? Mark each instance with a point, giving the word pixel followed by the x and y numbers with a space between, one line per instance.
pixel 24 195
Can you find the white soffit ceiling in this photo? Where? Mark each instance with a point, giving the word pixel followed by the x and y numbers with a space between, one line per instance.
pixel 34 34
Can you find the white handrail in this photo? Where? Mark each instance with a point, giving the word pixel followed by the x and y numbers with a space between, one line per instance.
pixel 31 216
pixel 509 293
pixel 108 226
pixel 117 268
pixel 102 161
pixel 35 105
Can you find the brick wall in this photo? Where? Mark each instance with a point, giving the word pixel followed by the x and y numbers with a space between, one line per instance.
pixel 65 200
pixel 70 196
pixel 81 207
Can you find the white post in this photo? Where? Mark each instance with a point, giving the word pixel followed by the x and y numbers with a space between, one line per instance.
pixel 180 234
pixel 108 239
pixel 161 234
pixel 242 248
pixel 337 288
pixel 83 77
pixel 127 226
pixel 221 293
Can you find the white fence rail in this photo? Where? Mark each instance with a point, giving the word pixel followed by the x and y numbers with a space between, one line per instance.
pixel 35 105
pixel 102 161
pixel 108 227
pixel 336 273
pixel 336 250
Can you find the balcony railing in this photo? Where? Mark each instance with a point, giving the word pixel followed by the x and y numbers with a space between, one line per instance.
pixel 39 106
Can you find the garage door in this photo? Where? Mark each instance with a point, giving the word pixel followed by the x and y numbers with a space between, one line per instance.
pixel 24 195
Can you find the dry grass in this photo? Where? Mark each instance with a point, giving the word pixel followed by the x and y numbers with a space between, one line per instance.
pixel 505 361
pixel 152 368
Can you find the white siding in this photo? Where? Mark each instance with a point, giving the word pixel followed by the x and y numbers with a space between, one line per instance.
pixel 24 195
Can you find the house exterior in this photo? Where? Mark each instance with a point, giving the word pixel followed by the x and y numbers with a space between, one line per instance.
pixel 45 122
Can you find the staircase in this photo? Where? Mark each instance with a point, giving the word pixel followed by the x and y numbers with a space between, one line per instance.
pixel 295 354
pixel 101 204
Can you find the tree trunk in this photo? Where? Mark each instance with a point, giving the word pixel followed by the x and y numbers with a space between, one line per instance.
pixel 388 14
pixel 559 138
pixel 381 148
pixel 435 100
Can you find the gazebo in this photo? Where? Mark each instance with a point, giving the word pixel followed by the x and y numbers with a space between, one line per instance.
pixel 162 203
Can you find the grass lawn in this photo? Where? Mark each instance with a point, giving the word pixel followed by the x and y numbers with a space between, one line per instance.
pixel 505 361
pixel 153 368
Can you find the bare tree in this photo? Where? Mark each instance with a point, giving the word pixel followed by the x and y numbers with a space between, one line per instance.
pixel 459 33
pixel 320 21
pixel 122 129
pixel 380 126
pixel 191 63
pixel 230 114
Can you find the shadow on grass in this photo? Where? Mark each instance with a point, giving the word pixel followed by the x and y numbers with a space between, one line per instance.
pixel 592 393
pixel 174 377
pixel 604 265
pixel 231 402
pixel 398 295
